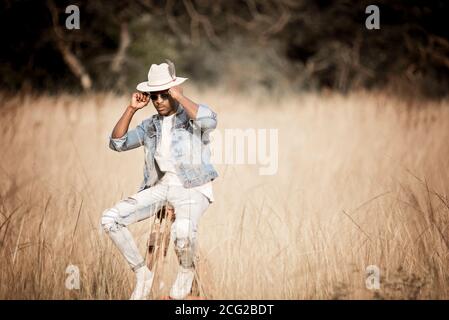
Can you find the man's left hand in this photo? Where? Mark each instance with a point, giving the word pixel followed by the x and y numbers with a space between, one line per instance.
pixel 175 92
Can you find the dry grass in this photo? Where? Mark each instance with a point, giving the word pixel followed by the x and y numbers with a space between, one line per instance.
pixel 362 180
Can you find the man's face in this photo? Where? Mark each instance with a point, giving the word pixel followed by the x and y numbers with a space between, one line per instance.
pixel 163 102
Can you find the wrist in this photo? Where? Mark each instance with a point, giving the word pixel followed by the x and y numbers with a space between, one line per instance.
pixel 131 108
pixel 179 97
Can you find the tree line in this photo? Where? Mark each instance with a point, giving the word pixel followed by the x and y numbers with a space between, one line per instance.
pixel 303 44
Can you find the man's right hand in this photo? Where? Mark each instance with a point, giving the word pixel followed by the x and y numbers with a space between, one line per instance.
pixel 139 100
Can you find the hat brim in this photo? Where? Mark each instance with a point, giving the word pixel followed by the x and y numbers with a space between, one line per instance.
pixel 144 87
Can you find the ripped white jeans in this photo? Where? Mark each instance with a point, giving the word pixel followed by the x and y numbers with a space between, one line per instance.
pixel 189 206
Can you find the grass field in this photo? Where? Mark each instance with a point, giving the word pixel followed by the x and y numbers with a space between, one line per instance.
pixel 363 180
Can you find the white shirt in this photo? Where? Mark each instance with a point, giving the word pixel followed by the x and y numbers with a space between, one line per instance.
pixel 167 163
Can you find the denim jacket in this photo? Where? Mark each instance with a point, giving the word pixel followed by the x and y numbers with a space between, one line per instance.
pixel 189 147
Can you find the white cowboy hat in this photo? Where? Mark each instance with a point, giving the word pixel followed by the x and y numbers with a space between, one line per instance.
pixel 161 77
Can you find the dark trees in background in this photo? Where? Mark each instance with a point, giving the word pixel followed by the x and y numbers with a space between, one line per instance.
pixel 311 44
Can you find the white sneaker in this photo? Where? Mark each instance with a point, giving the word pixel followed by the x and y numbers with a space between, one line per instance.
pixel 183 283
pixel 144 282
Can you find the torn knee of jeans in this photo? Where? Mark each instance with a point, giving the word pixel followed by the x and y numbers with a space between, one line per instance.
pixel 185 252
pixel 109 224
pixel 130 200
pixel 185 245
pixel 182 243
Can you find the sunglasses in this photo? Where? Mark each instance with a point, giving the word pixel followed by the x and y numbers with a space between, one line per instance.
pixel 164 96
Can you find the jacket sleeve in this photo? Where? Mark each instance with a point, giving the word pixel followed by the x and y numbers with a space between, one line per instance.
pixel 130 140
pixel 206 118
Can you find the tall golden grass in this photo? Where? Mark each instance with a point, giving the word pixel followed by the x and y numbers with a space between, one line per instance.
pixel 363 180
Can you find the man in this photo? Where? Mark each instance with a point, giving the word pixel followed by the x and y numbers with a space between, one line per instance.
pixel 177 172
